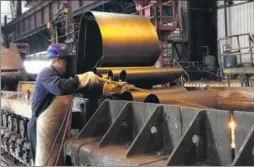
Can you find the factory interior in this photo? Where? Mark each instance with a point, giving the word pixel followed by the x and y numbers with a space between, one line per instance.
pixel 185 69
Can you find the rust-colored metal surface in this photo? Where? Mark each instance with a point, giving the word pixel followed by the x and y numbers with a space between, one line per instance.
pixel 116 40
pixel 241 99
pixel 110 155
pixel 200 99
pixel 73 146
pixel 11 65
pixel 49 129
pixel 140 95
pixel 150 76
pixel 10 59
pixel 235 98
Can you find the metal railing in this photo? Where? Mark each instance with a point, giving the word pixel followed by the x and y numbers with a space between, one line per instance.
pixel 228 49
pixel 185 77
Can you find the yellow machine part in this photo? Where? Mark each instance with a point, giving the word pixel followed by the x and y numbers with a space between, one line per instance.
pixel 25 86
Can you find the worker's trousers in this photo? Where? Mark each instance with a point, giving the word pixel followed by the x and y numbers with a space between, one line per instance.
pixel 32 136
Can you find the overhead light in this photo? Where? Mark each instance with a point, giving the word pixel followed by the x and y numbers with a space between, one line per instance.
pixel 35 66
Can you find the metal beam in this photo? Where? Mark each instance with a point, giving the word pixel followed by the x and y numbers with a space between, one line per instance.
pixel 82 10
pixel 26 18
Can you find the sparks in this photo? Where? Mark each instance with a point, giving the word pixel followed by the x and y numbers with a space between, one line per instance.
pixel 232 126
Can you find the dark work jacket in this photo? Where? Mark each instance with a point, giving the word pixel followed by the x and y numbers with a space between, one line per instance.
pixel 50 83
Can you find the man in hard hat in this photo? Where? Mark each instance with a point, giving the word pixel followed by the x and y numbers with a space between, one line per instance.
pixel 51 82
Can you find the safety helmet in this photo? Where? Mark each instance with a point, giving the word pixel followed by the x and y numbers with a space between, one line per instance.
pixel 58 50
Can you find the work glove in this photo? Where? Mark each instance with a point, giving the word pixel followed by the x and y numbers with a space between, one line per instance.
pixel 88 79
pixel 112 88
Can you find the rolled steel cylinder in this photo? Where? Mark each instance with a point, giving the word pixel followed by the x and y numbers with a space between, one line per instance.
pixel 116 40
pixel 200 99
pixel 99 70
pixel 150 76
pixel 140 95
pixel 114 74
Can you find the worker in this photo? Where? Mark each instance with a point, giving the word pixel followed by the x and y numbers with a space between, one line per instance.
pixel 52 81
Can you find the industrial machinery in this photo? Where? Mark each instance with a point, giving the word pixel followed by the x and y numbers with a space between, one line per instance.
pixel 237 59
pixel 12 69
pixel 153 125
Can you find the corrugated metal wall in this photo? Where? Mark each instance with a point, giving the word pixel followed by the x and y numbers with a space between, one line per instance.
pixel 240 20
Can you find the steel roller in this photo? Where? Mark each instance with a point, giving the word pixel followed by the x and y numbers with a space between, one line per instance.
pixel 201 99
pixel 115 40
pixel 99 70
pixel 150 76
pixel 114 74
pixel 140 95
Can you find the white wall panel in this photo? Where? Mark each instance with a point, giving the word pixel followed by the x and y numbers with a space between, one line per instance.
pixel 240 20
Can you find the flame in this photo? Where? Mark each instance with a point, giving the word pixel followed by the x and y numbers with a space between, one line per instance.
pixel 232 126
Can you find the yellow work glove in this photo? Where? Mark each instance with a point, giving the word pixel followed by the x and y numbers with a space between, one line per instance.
pixel 111 88
pixel 88 78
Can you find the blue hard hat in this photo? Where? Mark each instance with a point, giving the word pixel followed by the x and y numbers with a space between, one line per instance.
pixel 58 50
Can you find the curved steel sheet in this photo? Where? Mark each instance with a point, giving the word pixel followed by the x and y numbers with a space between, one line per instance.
pixel 116 40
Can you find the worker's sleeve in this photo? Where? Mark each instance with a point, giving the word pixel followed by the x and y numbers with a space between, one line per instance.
pixel 58 85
